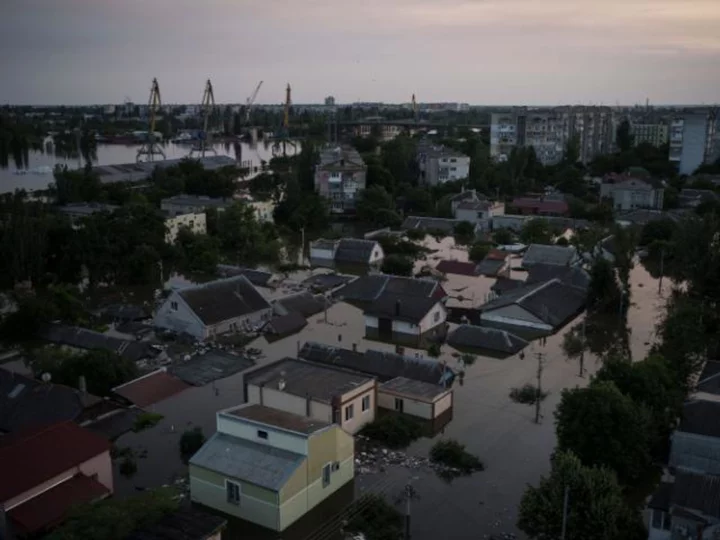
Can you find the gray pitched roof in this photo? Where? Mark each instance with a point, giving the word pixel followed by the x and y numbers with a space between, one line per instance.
pixel 430 223
pixel 503 284
pixel 419 390
pixel 489 267
pixel 552 301
pixel 304 379
pixel 481 337
pixel 343 158
pixel 401 307
pixel 368 288
pixel 380 364
pixel 699 492
pixel 304 303
pixel 701 417
pixel 196 200
pixel 573 276
pixel 354 250
pixel 285 325
pixel 82 338
pixel 709 380
pixel 224 299
pixel 259 278
pixel 542 254
pixel 255 463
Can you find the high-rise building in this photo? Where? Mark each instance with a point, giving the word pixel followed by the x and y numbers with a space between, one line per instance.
pixel 654 133
pixel 339 176
pixel 330 101
pixel 549 130
pixel 693 139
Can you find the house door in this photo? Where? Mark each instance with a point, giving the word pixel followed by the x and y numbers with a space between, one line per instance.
pixel 385 328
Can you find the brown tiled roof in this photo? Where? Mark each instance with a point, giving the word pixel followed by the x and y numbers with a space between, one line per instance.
pixel 50 507
pixel 30 458
pixel 457 267
pixel 151 388
pixel 280 419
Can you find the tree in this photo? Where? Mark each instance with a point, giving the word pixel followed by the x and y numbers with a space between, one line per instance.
pixel 397 265
pixel 300 210
pixel 376 206
pixel 597 509
pixel 604 293
pixel 464 232
pixel 624 138
pixel 190 442
pixel 536 231
pixel 503 237
pixel 249 240
pixel 659 230
pixel 602 426
pixel 479 251
pixel 197 252
pixel 376 519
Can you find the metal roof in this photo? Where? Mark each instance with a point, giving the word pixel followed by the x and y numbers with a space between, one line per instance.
pixel 418 390
pixel 542 254
pixel 354 250
pixel 267 416
pixel 224 299
pixel 401 307
pixel 481 337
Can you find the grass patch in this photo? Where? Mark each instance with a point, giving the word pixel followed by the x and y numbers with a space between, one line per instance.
pixel 146 421
pixel 527 395
pixel 451 453
pixel 393 431
pixel 376 519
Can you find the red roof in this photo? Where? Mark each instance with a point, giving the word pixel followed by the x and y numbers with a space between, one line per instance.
pixel 49 508
pixel 30 458
pixel 497 255
pixel 540 205
pixel 457 267
pixel 151 388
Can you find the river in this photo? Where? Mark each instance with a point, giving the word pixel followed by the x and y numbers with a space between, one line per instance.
pixel 115 154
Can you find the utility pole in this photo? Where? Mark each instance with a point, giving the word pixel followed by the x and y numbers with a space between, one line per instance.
pixel 582 351
pixel 541 365
pixel 409 494
pixel 662 269
pixel 566 500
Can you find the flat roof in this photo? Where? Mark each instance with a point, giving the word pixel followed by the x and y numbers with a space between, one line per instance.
pixel 280 419
pixel 151 388
pixel 210 366
pixel 422 391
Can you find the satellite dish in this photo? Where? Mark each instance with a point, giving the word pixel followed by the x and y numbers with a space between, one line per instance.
pixel 46 377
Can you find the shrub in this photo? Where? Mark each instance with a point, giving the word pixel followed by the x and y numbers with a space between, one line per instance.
pixel 393 430
pixel 376 519
pixel 146 420
pixel 527 394
pixel 416 234
pixel 479 251
pixel 128 466
pixel 190 442
pixel 451 453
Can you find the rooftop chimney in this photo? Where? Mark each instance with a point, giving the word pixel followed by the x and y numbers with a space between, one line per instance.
pixel 397 308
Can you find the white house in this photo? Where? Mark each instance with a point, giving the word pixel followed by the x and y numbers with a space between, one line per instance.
pixel 196 222
pixel 349 251
pixel 631 193
pixel 481 212
pixel 320 392
pixel 211 309
pixel 404 319
pixel 415 398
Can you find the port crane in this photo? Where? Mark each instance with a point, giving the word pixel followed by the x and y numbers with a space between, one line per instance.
pixel 249 102
pixel 151 148
pixel 282 140
pixel 208 108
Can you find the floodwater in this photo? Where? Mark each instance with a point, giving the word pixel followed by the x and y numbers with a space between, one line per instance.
pixel 502 433
pixel 114 154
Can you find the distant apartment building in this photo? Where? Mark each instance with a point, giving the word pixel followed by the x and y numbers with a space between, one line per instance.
pixel 549 130
pixel 439 164
pixel 694 140
pixel 629 193
pixel 330 101
pixel 386 132
pixel 194 222
pixel 189 204
pixel 655 134
pixel 339 176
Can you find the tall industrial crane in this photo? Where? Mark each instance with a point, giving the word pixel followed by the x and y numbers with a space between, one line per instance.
pixel 282 140
pixel 151 148
pixel 208 108
pixel 250 102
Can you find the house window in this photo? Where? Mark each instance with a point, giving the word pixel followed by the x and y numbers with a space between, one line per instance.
pixel 262 434
pixel 436 317
pixel 399 405
pixel 326 475
pixel 349 412
pixel 365 403
pixel 174 306
pixel 233 492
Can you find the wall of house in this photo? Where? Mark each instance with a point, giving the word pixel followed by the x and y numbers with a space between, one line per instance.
pixel 516 316
pixel 181 320
pixel 283 401
pixel 326 254
pixel 240 323
pixel 248 431
pixel 695 452
pixel 196 222
pixel 444 404
pixel 413 407
pixel 509 221
pixel 653 532
pixel 100 465
pixel 435 317
pixel 327 447
pixel 377 255
pixel 360 418
pixel 257 505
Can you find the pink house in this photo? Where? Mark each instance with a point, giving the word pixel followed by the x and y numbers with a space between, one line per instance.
pixel 45 471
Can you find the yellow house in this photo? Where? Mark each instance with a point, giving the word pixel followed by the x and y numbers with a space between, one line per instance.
pixel 270 467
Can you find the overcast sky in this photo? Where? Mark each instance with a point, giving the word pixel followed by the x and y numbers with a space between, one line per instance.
pixel 476 51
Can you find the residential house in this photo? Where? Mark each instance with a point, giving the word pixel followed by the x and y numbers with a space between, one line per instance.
pixel 214 308
pixel 346 251
pixel 151 388
pixel 380 364
pixel 45 471
pixel 339 177
pixel 404 319
pixel 323 393
pixel 479 212
pixel 192 204
pixel 270 467
pixel 686 508
pixel 495 263
pixel 708 384
pixel 534 309
pixel 305 303
pixel 439 164
pixel 540 206
pixel 434 225
pixel 572 276
pixel 415 398
pixel 195 222
pixel 367 289
pixel 550 255
pixel 629 193
pixel 696 441
pixel 259 278
pixel 281 326
pixel 468 195
pixel 460 268
pixel 486 341
pixel 186 523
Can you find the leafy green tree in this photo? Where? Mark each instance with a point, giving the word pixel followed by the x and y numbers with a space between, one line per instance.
pixel 479 251
pixel 503 237
pixel 197 252
pixel 376 519
pixel 464 232
pixel 398 157
pixel 597 509
pixel 660 230
pixel 536 231
pixel 250 241
pixel 623 137
pixel 604 293
pixel 376 206
pixel 602 426
pixel 397 265
pixel 300 210
pixel 190 442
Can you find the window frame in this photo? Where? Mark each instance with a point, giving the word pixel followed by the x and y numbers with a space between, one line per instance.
pixel 349 412
pixel 365 400
pixel 326 474
pixel 236 489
